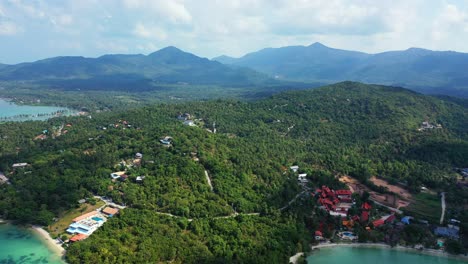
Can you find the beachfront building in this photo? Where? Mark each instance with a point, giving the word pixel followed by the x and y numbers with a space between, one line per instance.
pixel 87 223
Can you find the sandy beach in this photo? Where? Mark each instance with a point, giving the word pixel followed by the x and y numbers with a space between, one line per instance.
pixel 51 243
pixel 432 252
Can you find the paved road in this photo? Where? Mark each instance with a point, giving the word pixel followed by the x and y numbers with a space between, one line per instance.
pixel 110 203
pixel 442 200
pixel 388 207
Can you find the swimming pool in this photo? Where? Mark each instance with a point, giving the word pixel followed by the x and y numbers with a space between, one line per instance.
pixel 99 219
pixel 348 234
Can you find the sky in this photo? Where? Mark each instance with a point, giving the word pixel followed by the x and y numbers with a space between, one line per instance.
pixel 37 29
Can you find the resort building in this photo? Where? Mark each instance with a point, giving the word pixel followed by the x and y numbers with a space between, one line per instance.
pixel 78 237
pixel 337 203
pixel 86 224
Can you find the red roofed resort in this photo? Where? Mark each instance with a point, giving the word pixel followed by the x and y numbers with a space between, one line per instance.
pixel 337 202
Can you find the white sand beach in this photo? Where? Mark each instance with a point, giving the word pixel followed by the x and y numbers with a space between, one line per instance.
pixel 53 244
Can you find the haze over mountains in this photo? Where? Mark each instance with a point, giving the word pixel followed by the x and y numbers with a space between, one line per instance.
pixel 439 72
pixel 168 65
pixel 436 72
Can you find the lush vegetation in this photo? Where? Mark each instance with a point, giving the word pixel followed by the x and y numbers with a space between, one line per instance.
pixel 347 128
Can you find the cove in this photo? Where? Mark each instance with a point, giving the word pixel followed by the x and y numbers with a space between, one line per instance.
pixel 360 255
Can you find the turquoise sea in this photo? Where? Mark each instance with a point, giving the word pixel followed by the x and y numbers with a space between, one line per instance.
pixel 13 112
pixel 350 255
pixel 21 245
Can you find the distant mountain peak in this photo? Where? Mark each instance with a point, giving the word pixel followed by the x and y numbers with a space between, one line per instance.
pixel 167 50
pixel 317 45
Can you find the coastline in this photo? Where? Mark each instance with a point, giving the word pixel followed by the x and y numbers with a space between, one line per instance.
pixel 51 243
pixel 432 252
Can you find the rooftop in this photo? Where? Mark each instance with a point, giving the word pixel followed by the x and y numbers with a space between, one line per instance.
pixel 110 211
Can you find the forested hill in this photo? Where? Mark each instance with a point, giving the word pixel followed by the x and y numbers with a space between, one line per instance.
pixel 435 72
pixel 130 72
pixel 347 128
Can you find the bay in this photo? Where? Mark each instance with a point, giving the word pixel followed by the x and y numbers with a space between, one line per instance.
pixel 21 245
pixel 359 255
pixel 10 111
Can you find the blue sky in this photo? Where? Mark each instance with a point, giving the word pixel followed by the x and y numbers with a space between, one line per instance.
pixel 36 29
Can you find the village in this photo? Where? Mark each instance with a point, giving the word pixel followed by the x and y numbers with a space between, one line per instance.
pixel 360 213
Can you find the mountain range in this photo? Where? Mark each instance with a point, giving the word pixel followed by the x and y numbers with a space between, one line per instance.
pixel 166 66
pixel 437 72
pixel 275 69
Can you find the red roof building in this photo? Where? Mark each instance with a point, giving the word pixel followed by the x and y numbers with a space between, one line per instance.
pixel 364 216
pixel 318 233
pixel 343 192
pixel 378 222
pixel 390 219
pixel 366 206
pixel 78 237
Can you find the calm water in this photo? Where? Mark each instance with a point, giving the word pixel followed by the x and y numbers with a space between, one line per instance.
pixel 12 112
pixel 19 245
pixel 348 255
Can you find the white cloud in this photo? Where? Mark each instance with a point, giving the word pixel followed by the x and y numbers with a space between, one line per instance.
pixel 450 24
pixel 174 11
pixel 149 32
pixel 8 28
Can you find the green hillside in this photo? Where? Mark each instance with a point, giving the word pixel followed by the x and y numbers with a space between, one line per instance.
pixel 346 128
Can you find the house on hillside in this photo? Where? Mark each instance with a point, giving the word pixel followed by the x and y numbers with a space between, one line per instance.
pixel 3 178
pixel 139 179
pixel 302 178
pixel 189 123
pixel 294 168
pixel 166 141
pixel 19 165
pixel 116 175
pixel 110 211
pixel 138 155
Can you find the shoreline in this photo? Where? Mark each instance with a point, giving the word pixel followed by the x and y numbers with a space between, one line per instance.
pixel 51 243
pixel 431 252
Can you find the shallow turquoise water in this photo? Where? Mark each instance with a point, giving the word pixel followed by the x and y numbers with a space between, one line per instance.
pixel 349 255
pixel 28 112
pixel 20 245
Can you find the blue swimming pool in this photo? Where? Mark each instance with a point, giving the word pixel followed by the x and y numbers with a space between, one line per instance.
pixel 348 234
pixel 97 219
